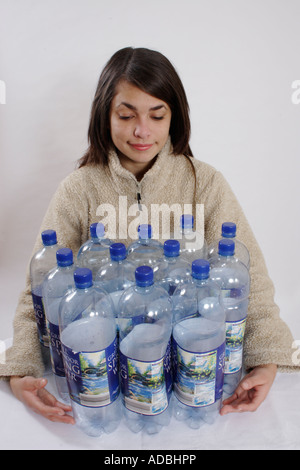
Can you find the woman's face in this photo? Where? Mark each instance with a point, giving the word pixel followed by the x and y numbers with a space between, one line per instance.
pixel 139 126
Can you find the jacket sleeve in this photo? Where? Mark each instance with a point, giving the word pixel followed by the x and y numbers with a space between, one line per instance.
pixel 67 214
pixel 267 337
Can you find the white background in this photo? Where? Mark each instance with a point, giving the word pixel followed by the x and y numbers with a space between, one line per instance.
pixel 237 59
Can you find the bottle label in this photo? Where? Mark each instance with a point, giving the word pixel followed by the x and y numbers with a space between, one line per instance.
pixel 235 331
pixel 40 319
pixel 198 377
pixel 146 386
pixel 92 377
pixel 55 348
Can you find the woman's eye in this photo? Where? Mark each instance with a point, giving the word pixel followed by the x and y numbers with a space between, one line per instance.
pixel 125 118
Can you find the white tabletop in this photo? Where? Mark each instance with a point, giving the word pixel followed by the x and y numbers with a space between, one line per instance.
pixel 275 425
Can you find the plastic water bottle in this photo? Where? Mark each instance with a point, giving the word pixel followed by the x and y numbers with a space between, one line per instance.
pixel 192 244
pixel 173 270
pixel 233 278
pixel 241 251
pixel 118 275
pixel 145 325
pixel 56 284
pixel 198 348
pixel 146 251
pixel 89 345
pixel 95 251
pixel 41 263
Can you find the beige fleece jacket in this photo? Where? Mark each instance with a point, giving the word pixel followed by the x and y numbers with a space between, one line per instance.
pixel 172 179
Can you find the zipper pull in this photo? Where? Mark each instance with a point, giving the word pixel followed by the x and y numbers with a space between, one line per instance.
pixel 139 198
pixel 139 195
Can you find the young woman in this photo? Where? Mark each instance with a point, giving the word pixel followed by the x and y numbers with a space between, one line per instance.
pixel 139 148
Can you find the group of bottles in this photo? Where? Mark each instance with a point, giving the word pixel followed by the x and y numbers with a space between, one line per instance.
pixel 145 332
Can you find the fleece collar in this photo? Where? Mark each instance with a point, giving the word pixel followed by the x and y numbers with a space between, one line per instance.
pixel 125 183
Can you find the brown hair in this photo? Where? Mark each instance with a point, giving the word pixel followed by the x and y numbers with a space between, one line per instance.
pixel 153 73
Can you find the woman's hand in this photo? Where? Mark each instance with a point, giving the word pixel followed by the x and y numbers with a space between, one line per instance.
pixel 251 391
pixel 32 393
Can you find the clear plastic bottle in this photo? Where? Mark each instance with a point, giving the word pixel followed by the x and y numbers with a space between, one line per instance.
pixel 94 253
pixel 233 278
pixel 117 275
pixel 41 263
pixel 89 344
pixel 56 284
pixel 173 269
pixel 192 244
pixel 198 348
pixel 146 251
pixel 145 326
pixel 241 251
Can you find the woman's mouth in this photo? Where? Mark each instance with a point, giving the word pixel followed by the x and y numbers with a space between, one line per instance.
pixel 141 147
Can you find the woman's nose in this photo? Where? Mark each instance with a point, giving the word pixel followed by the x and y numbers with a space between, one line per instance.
pixel 141 130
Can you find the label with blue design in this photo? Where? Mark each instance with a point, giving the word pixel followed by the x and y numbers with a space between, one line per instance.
pixel 92 377
pixel 40 317
pixel 146 386
pixel 198 377
pixel 55 348
pixel 235 331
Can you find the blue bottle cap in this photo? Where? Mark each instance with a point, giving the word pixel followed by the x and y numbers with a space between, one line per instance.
pixel 49 238
pixel 226 247
pixel 144 276
pixel 228 230
pixel 145 231
pixel 117 251
pixel 171 248
pixel 200 269
pixel 64 257
pixel 187 221
pixel 97 230
pixel 83 278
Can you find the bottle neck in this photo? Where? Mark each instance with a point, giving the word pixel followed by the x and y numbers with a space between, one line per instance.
pixel 171 259
pixel 226 257
pixel 144 240
pixel 187 230
pixel 117 260
pixel 200 282
pixel 69 267
pixel 228 237
pixel 83 290
pixel 144 289
pixel 50 247
pixel 97 240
